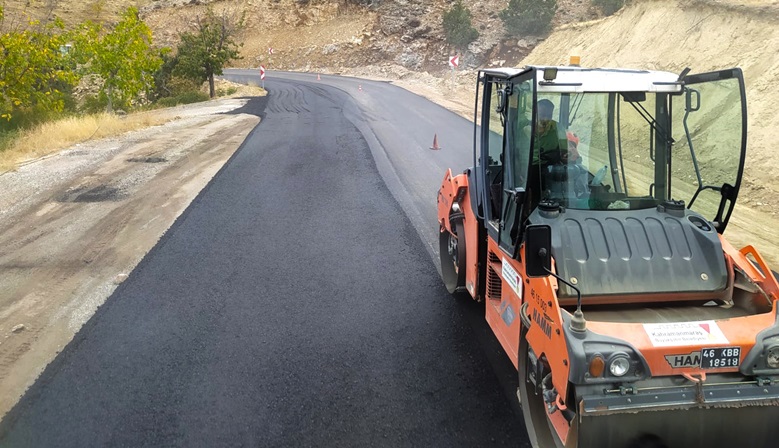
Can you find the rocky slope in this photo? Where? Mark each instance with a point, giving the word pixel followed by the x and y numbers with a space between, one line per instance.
pixel 403 41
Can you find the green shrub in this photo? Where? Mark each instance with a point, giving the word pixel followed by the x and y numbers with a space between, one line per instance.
pixel 7 138
pixel 179 85
pixel 192 97
pixel 523 17
pixel 167 101
pixel 457 26
pixel 609 7
pixel 27 117
pixel 226 92
pixel 93 104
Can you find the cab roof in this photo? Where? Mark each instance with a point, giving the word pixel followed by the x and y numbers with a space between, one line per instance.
pixel 582 79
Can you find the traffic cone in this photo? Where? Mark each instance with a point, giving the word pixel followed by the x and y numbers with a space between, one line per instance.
pixel 435 143
pixel 317 77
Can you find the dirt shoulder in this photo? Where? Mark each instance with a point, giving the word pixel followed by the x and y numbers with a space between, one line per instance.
pixel 75 224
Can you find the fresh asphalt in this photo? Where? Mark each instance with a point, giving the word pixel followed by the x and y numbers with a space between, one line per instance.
pixel 296 302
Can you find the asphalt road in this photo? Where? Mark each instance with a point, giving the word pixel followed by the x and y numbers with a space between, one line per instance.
pixel 294 303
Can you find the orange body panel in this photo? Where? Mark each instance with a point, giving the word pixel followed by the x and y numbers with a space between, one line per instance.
pixel 454 189
pixel 545 335
pixel 765 279
pixel 502 311
pixel 739 332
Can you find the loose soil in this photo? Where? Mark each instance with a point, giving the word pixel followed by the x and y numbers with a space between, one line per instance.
pixel 75 224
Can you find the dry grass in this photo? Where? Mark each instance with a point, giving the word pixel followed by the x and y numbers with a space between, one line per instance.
pixel 252 89
pixel 54 136
pixel 237 89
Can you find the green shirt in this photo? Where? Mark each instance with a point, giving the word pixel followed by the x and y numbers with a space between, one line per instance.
pixel 550 145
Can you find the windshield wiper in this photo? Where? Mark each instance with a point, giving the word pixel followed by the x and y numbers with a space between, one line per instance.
pixel 649 119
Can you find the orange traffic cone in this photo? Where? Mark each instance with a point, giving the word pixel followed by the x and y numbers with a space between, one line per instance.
pixel 435 143
pixel 317 77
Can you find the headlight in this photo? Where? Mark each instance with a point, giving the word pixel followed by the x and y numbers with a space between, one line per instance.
pixel 619 365
pixel 599 359
pixel 772 357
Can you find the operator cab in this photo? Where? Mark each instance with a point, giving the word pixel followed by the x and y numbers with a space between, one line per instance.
pixel 637 172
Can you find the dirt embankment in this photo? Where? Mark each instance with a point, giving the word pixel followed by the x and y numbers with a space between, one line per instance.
pixel 75 224
pixel 704 35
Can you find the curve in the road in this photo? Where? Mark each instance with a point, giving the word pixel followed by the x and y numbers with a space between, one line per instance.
pixel 292 304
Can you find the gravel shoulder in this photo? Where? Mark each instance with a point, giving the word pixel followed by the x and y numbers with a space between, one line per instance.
pixel 73 225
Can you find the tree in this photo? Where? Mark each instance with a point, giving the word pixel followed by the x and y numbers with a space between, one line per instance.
pixel 123 57
pixel 457 26
pixel 609 7
pixel 523 17
pixel 33 69
pixel 204 54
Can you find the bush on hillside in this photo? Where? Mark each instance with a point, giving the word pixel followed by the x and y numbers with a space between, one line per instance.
pixel 523 17
pixel 183 98
pixel 457 26
pixel 192 97
pixel 608 7
pixel 92 104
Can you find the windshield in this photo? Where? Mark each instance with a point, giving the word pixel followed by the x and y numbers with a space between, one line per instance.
pixel 595 151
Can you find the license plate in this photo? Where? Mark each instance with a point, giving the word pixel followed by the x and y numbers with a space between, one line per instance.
pixel 721 357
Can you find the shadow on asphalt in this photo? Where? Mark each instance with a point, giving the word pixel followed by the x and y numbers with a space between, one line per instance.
pixel 255 106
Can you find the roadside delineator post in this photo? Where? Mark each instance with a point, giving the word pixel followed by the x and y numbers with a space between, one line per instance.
pixel 317 77
pixel 359 87
pixel 454 61
pixel 435 143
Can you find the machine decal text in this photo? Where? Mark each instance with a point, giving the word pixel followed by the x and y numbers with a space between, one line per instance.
pixel 689 360
pixel 685 333
pixel 540 319
pixel 512 278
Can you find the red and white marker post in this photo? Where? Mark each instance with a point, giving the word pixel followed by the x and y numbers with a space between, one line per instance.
pixel 262 75
pixel 454 61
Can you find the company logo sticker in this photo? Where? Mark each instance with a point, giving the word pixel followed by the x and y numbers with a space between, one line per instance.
pixel 685 333
pixel 692 359
pixel 512 278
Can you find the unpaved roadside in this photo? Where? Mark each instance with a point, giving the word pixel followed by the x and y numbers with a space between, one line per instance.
pixel 73 225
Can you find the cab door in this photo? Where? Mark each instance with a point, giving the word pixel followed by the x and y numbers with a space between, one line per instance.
pixel 519 116
pixel 710 132
pixel 513 109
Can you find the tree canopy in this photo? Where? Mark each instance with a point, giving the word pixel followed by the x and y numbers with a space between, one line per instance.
pixel 33 69
pixel 523 17
pixel 204 53
pixel 457 25
pixel 123 57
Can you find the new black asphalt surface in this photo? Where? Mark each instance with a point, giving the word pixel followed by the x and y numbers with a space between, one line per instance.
pixel 293 304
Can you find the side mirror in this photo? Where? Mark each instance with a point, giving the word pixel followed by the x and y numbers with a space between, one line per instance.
pixel 538 250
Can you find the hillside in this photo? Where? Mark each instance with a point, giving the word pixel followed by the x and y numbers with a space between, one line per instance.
pixel 403 41
pixel 704 35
